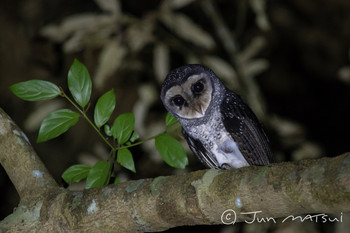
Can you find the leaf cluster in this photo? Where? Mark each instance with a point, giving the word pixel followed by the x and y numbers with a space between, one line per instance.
pixel 119 136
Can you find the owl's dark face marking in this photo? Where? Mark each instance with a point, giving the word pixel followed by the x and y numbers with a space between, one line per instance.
pixel 191 98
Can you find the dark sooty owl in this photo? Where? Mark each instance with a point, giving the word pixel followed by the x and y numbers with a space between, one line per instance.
pixel 221 130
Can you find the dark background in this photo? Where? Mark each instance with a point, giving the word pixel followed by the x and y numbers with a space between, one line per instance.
pixel 305 87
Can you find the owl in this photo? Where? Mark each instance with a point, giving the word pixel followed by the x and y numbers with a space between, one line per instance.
pixel 220 129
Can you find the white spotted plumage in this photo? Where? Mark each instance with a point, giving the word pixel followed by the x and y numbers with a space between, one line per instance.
pixel 219 127
pixel 219 143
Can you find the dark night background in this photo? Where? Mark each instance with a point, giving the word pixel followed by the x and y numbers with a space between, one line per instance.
pixel 304 84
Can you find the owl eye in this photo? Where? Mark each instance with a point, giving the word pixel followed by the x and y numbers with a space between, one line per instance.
pixel 197 87
pixel 178 100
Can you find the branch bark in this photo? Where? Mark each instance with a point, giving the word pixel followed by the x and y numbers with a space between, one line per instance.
pixel 26 171
pixel 201 197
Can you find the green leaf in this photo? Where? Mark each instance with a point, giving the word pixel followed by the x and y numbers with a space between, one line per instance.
pixel 76 173
pixel 98 175
pixel 116 181
pixel 124 158
pixel 107 129
pixel 79 83
pixel 56 123
pixel 134 136
pixel 170 120
pixel 123 127
pixel 34 90
pixel 104 107
pixel 171 151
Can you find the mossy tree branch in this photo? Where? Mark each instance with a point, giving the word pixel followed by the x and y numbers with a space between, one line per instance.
pixel 201 197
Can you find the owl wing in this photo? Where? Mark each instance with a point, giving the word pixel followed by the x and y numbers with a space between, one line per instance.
pixel 199 150
pixel 245 129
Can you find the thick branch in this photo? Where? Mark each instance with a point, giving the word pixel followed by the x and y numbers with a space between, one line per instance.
pixel 201 197
pixel 28 174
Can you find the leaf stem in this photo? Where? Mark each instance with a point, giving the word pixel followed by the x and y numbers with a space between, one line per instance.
pixel 138 143
pixel 111 159
pixel 115 148
pixel 167 130
pixel 88 120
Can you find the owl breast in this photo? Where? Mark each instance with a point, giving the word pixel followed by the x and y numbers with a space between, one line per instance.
pixel 218 142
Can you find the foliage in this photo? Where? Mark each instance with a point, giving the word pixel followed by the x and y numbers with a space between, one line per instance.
pixel 161 31
pixel 119 136
pixel 168 29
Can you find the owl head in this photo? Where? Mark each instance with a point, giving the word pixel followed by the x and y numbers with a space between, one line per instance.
pixel 187 91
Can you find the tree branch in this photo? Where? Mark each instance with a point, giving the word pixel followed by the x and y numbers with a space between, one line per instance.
pixel 28 174
pixel 201 197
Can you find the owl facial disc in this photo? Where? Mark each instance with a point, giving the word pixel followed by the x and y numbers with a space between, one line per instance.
pixel 191 98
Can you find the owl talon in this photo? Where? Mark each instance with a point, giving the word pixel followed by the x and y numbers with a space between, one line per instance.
pixel 225 166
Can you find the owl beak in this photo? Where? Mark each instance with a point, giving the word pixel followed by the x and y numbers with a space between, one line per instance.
pixel 199 109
